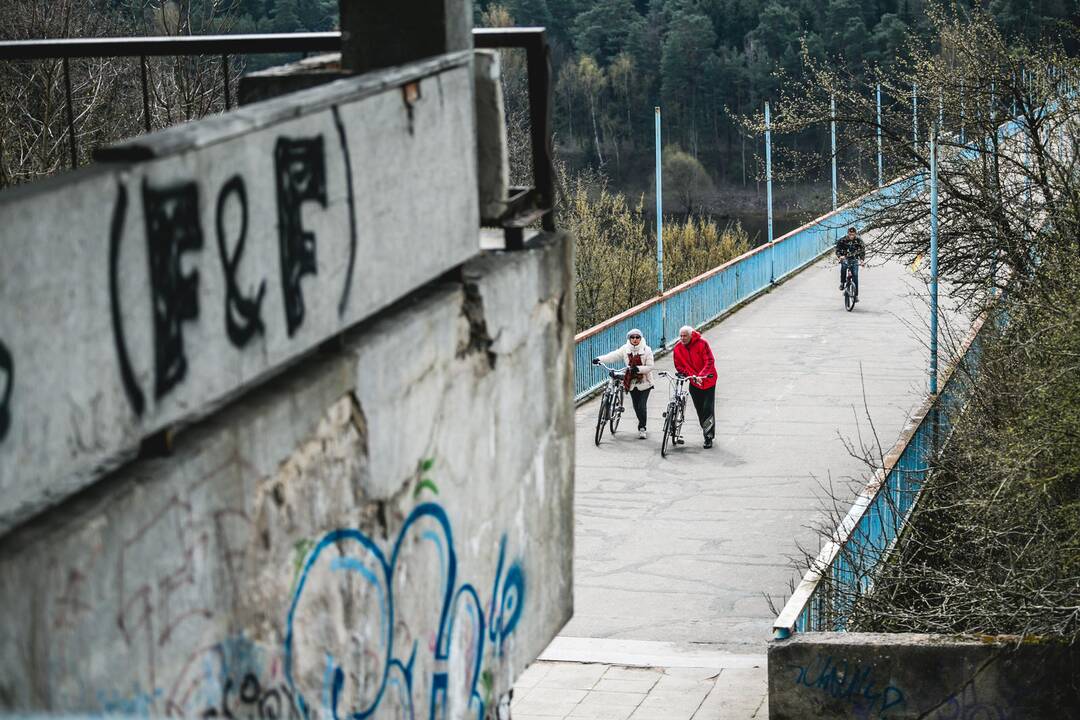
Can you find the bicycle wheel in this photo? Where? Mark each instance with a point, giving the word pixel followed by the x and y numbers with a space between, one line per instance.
pixel 679 420
pixel 669 430
pixel 849 296
pixel 602 416
pixel 616 410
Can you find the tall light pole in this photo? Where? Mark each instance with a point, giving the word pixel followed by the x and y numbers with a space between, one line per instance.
pixel 768 186
pixel 660 232
pixel 880 175
pixel 915 116
pixel 933 262
pixel 832 125
pixel 768 167
pixel 660 214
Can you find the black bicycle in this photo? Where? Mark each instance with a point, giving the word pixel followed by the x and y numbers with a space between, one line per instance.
pixel 851 293
pixel 675 414
pixel 611 404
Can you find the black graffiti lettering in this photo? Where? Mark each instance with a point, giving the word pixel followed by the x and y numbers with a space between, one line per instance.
pixel 242 314
pixel 350 201
pixel 7 370
pixel 300 176
pixel 127 375
pixel 250 690
pixel 172 228
pixel 270 706
pixel 226 711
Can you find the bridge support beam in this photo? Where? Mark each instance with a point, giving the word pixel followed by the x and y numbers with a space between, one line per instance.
pixel 373 35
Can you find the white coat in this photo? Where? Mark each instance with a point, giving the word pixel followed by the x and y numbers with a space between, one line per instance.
pixel 644 379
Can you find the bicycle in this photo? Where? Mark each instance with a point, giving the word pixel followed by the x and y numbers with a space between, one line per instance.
pixel 675 414
pixel 851 295
pixel 611 404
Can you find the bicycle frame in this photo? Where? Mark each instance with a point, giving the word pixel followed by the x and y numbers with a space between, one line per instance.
pixel 675 414
pixel 611 402
pixel 850 293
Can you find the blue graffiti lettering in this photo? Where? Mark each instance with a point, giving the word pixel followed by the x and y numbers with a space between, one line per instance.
pixel 346 567
pixel 850 683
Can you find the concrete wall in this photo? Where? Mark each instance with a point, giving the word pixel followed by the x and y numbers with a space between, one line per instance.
pixel 935 677
pixel 191 263
pixel 386 527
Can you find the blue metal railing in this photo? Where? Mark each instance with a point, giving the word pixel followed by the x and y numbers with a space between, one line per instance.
pixel 844 569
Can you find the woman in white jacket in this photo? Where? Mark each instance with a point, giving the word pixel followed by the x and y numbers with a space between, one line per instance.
pixel 638 358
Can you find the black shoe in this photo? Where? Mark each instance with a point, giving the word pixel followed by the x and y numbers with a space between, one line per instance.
pixel 708 443
pixel 841 288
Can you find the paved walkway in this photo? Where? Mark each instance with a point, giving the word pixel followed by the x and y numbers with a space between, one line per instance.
pixel 674 558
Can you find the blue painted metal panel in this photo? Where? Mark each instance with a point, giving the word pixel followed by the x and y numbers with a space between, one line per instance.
pixel 587 376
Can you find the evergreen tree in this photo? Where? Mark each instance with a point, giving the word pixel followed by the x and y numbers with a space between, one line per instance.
pixel 607 29
pixel 286 17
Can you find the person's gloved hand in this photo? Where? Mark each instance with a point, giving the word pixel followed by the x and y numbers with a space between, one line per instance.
pixel 633 370
pixel 596 361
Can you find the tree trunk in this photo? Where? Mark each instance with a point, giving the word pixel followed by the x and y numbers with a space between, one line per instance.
pixel 596 131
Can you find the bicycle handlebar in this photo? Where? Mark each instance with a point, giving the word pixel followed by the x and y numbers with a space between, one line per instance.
pixel 612 371
pixel 679 376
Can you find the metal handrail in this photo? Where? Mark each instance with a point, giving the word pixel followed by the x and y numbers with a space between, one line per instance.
pixel 164 46
pixel 528 205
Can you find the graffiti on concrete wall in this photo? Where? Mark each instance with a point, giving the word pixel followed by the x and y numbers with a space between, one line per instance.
pixel 235 678
pixel 858 685
pixel 300 174
pixel 229 250
pixel 243 313
pixel 366 624
pixel 411 624
pixel 172 217
pixel 851 683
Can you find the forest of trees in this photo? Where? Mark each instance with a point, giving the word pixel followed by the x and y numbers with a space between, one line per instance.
pixel 614 60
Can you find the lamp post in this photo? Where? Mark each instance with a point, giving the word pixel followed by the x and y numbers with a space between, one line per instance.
pixel 880 175
pixel 933 262
pixel 832 126
pixel 660 233
pixel 768 187
pixel 915 116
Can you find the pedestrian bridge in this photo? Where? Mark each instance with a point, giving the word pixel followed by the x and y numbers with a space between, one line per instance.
pixel 686 560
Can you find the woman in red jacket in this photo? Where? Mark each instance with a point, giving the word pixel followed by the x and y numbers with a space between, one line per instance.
pixel 694 357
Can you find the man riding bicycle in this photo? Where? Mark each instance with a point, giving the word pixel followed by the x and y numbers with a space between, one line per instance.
pixel 850 250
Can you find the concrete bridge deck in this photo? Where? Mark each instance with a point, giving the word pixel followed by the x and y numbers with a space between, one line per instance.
pixel 674 557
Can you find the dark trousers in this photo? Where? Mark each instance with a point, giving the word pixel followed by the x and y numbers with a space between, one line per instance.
pixel 704 400
pixel 854 264
pixel 640 399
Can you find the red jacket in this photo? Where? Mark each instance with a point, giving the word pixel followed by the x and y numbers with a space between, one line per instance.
pixel 695 358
